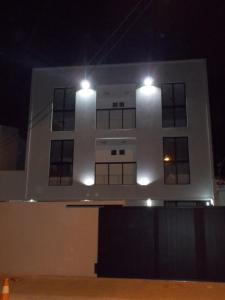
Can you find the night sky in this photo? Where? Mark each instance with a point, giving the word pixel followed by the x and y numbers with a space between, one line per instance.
pixel 61 33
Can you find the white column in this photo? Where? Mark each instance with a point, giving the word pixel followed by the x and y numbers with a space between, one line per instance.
pixel 149 141
pixel 84 154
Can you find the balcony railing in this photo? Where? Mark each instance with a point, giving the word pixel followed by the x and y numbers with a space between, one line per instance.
pixel 123 118
pixel 115 173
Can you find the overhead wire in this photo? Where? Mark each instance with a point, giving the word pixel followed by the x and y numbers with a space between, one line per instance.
pixel 115 31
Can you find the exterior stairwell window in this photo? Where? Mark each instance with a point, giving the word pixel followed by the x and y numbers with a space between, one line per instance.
pixel 61 162
pixel 113 118
pixel 115 173
pixel 174 105
pixel 63 118
pixel 176 160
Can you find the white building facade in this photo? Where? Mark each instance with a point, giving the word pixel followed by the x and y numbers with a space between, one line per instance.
pixel 123 138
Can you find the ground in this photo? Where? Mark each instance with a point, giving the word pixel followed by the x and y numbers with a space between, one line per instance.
pixel 41 288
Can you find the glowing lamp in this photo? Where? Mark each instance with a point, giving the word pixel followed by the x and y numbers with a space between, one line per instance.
pixel 148 81
pixel 149 202
pixel 167 158
pixel 85 84
pixel 89 181
pixel 143 181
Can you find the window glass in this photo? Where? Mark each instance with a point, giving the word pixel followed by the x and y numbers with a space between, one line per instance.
pixel 167 95
pixel 63 110
pixel 116 119
pixel 115 174
pixel 168 117
pixel 57 122
pixel 129 118
pixel 61 162
pixel 102 119
pixel 174 105
pixel 169 148
pixel 180 117
pixel 58 101
pixel 70 99
pixel 129 173
pixel 56 151
pixel 183 176
pixel 101 174
pixel 170 173
pixel 176 160
pixel 179 94
pixel 69 120
pixel 68 151
pixel 181 149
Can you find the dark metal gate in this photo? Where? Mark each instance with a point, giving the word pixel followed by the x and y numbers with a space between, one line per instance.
pixel 163 243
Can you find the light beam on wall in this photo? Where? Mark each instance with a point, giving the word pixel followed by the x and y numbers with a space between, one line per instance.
pixel 149 202
pixel 88 180
pixel 148 81
pixel 143 180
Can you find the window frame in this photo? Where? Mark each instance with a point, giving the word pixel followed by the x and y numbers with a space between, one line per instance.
pixel 60 163
pixel 122 175
pixel 64 110
pixel 109 117
pixel 174 106
pixel 176 162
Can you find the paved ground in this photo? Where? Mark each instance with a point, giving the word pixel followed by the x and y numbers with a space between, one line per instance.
pixel 31 288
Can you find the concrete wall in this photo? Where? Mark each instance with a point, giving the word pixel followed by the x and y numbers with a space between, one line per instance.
pixel 12 185
pixel 148 134
pixel 9 149
pixel 47 239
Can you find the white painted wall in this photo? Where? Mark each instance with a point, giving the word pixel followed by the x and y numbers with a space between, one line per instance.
pixel 47 239
pixel 148 134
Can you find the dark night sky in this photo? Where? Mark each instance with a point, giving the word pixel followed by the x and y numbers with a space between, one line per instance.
pixel 55 33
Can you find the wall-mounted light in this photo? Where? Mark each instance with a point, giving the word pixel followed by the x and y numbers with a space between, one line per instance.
pixel 147 87
pixel 167 158
pixel 149 202
pixel 31 201
pixel 85 84
pixel 148 81
pixel 88 181
pixel 143 181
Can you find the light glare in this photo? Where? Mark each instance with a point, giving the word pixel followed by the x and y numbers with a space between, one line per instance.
pixel 148 81
pixel 88 181
pixel 143 181
pixel 149 202
pixel 85 84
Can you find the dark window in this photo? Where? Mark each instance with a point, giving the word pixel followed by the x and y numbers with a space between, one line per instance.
pixel 176 160
pixel 121 104
pixel 122 152
pixel 115 173
pixel 123 118
pixel 63 109
pixel 115 104
pixel 174 105
pixel 61 162
pixel 113 152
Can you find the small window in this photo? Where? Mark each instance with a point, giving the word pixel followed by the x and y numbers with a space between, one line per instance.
pixel 115 104
pixel 121 104
pixel 122 152
pixel 113 152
